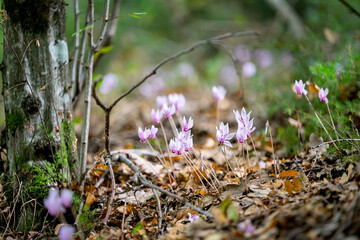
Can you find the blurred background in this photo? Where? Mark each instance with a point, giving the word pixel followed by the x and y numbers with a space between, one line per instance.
pixel 316 41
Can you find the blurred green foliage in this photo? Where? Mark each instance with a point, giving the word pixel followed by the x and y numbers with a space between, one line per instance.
pixel 142 40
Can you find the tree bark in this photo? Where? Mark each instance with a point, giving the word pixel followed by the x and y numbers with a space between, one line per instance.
pixel 40 139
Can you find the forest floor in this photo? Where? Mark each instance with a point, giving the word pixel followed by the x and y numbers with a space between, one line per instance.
pixel 315 195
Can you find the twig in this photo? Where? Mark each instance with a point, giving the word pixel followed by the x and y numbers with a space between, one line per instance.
pixel 104 27
pixel 146 183
pixel 353 10
pixel 79 84
pixel 87 98
pixel 123 218
pixel 77 45
pixel 12 212
pixel 234 59
pixel 179 54
pixel 108 163
pixel 337 140
pixel 111 30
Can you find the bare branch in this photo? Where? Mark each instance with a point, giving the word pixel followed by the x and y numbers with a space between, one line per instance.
pixel 97 100
pixel 146 183
pixel 87 98
pixel 179 54
pixel 108 163
pixel 353 10
pixel 110 33
pixel 79 76
pixel 104 27
pixel 234 59
pixel 77 45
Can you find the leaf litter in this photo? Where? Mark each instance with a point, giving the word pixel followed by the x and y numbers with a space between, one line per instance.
pixel 315 195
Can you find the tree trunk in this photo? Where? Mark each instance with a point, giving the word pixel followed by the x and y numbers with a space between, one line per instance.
pixel 40 139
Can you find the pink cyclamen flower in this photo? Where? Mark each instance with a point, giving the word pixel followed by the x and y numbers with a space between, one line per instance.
pixel 322 95
pixel 156 115
pixel 193 217
pixel 153 131
pixel 266 126
pixel 218 92
pixel 242 133
pixel 178 100
pixel 248 69
pixel 246 226
pixel 244 117
pixel 53 202
pixel 143 134
pixel 223 135
pixel 66 232
pixel 168 111
pixel 300 87
pixel 161 101
pixel 250 127
pixel 187 141
pixel 176 146
pixel 66 197
pixel 187 125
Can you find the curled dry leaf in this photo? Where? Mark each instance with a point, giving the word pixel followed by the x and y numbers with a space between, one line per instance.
pixel 289 173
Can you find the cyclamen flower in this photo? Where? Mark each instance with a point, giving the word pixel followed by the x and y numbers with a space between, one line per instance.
pixel 66 197
pixel 161 101
pixel 246 226
pixel 300 87
pixel 178 100
pixel 187 142
pixel 244 117
pixel 53 202
pixel 187 125
pixel 153 132
pixel 250 127
pixel 193 217
pixel 66 232
pixel 156 115
pixel 175 146
pixel 241 134
pixel 248 69
pixel 266 126
pixel 322 95
pixel 223 135
pixel 218 92
pixel 168 111
pixel 143 134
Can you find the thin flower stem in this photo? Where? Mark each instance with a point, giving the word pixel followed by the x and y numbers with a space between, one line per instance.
pixel 167 147
pixel 195 168
pixel 277 171
pixel 179 118
pixel 257 156
pixel 201 159
pixel 173 126
pixel 332 121
pixel 228 166
pixel 157 156
pixel 321 122
pixel 356 145
pixel 197 172
pixel 245 174
pixel 217 112
pixel 237 160
pixel 247 158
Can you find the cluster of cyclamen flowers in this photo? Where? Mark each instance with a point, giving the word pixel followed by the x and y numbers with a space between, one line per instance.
pixel 183 141
pixel 300 89
pixel 57 203
pixel 167 106
pixel 245 128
